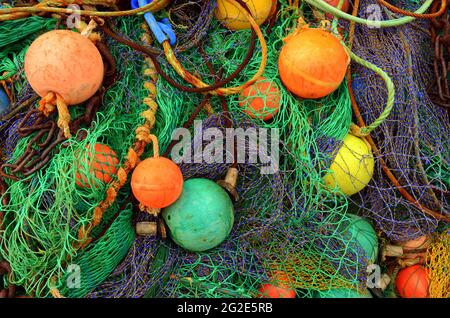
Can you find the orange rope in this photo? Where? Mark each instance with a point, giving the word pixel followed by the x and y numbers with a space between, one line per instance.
pixel 143 138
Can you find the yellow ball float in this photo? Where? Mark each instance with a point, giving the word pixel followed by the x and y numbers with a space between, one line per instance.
pixel 352 167
pixel 234 19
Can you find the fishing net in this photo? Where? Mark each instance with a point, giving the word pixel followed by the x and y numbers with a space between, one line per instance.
pixel 438 264
pixel 287 220
pixel 41 235
pixel 413 140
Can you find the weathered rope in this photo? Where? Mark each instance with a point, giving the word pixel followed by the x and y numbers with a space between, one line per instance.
pixel 5 13
pixel 322 5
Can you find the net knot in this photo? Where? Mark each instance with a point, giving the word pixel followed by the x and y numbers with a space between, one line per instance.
pixel 98 213
pixel 122 176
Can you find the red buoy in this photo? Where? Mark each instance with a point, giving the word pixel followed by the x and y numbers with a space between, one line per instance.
pixel 412 282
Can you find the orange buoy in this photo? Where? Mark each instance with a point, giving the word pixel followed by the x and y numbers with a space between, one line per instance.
pixel 261 100
pixel 312 63
pixel 334 3
pixel 412 282
pixel 157 182
pixel 66 63
pixel 279 288
pixel 102 164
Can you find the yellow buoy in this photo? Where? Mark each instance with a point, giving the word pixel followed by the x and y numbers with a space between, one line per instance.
pixel 234 19
pixel 352 167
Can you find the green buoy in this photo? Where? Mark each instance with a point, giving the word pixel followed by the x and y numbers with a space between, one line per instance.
pixel 202 217
pixel 362 233
pixel 342 293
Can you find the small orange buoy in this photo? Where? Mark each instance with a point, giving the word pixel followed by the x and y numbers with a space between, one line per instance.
pixel 279 289
pixel 345 7
pixel 412 282
pixel 66 63
pixel 157 182
pixel 261 100
pixel 312 63
pixel 334 3
pixel 103 165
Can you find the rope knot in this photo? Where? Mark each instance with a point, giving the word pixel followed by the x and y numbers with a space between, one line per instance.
pixel 358 131
pixel 47 104
pixel 98 213
pixel 150 117
pixel 143 134
pixel 132 158
pixel 88 31
pixel 122 176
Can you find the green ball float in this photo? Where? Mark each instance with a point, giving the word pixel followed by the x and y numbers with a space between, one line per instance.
pixel 202 217
pixel 342 293
pixel 362 233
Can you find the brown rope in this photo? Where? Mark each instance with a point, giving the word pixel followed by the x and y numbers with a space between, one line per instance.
pixel 413 14
pixel 151 53
pixel 189 122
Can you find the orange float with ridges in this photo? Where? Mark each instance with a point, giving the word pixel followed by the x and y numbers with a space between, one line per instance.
pixel 102 164
pixel 157 182
pixel 261 100
pixel 312 63
pixel 412 282
pixel 278 289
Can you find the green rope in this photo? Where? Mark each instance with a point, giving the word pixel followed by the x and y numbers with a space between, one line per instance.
pixel 391 92
pixel 371 23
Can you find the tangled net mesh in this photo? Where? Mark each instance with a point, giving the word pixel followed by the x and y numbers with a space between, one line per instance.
pixel 291 222
pixel 413 139
pixel 286 221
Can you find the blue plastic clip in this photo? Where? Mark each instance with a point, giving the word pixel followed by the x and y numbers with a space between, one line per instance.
pixel 161 30
pixel 4 101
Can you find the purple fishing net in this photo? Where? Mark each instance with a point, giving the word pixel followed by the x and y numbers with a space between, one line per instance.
pixel 413 140
pixel 236 267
